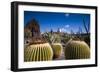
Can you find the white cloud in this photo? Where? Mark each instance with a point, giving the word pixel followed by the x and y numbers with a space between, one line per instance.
pixel 62 30
pixel 66 26
pixel 65 29
pixel 67 14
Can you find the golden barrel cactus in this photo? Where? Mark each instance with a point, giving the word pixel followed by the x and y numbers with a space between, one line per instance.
pixel 77 50
pixel 38 52
pixel 57 49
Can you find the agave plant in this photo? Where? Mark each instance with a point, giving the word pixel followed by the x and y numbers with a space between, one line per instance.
pixel 76 49
pixel 54 40
pixel 38 52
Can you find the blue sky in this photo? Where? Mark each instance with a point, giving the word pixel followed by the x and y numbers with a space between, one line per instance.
pixel 52 20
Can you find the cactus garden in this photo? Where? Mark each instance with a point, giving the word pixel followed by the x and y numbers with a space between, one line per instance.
pixel 56 36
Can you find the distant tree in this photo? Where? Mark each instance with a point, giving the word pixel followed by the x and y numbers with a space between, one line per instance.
pixel 34 27
pixel 51 31
pixel 86 27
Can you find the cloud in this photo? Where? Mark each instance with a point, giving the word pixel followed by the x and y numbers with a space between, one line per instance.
pixel 66 26
pixel 65 29
pixel 67 14
pixel 62 30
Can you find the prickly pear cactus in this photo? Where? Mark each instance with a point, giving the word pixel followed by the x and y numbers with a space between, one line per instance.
pixel 57 49
pixel 38 52
pixel 77 50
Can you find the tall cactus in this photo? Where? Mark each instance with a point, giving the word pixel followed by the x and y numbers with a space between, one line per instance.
pixel 38 52
pixel 77 50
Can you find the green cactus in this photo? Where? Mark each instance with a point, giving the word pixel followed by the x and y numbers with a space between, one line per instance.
pixel 57 49
pixel 38 52
pixel 77 50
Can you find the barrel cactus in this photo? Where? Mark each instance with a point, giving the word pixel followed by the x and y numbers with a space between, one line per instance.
pixel 38 52
pixel 57 49
pixel 77 50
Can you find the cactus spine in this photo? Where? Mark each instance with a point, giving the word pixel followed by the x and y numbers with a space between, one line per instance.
pixel 38 52
pixel 77 50
pixel 57 49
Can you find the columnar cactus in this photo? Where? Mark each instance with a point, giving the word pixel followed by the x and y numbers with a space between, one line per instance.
pixel 77 50
pixel 57 49
pixel 38 52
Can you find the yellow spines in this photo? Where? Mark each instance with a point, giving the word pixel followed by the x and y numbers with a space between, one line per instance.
pixel 57 49
pixel 77 50
pixel 38 52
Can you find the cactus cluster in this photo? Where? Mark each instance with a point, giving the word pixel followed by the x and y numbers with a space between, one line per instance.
pixel 57 49
pixel 38 52
pixel 77 50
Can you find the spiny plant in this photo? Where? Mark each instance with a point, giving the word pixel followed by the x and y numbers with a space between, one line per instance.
pixel 54 40
pixel 52 37
pixel 57 49
pixel 38 52
pixel 36 48
pixel 66 38
pixel 76 49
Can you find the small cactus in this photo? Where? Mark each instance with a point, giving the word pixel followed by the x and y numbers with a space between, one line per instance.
pixel 38 52
pixel 77 50
pixel 57 49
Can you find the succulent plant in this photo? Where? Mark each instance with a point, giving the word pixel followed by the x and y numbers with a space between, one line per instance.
pixel 38 52
pixel 77 50
pixel 57 49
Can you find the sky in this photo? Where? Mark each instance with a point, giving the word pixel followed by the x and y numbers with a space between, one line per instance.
pixel 54 20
